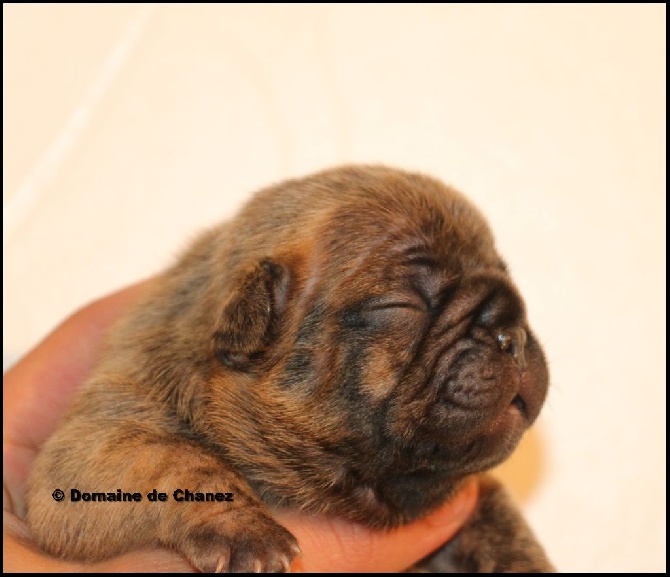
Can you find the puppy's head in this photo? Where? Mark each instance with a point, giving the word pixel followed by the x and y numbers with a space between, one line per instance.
pixel 372 344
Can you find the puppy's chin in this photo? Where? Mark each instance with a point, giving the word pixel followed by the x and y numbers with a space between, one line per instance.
pixel 486 449
pixel 501 437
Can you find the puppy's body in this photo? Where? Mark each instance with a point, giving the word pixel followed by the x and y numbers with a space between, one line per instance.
pixel 350 344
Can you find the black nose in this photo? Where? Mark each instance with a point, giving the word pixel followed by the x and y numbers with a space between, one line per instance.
pixel 514 342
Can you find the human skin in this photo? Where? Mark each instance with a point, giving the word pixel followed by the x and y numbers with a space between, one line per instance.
pixel 38 389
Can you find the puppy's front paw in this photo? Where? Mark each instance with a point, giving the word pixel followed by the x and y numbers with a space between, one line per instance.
pixel 240 541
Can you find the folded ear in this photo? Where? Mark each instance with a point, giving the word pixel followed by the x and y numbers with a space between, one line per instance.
pixel 249 321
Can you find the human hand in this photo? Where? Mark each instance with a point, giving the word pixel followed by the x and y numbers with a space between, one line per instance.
pixel 39 388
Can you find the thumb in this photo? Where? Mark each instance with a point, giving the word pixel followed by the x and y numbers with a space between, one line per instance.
pixel 337 545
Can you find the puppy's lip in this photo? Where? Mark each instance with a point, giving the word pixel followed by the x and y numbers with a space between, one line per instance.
pixel 529 397
pixel 520 404
pixel 519 414
pixel 510 423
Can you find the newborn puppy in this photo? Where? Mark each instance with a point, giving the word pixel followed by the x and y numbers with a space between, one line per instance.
pixel 350 344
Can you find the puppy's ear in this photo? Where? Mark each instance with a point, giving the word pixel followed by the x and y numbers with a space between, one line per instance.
pixel 249 321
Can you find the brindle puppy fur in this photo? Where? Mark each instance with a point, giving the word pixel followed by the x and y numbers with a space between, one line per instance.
pixel 350 344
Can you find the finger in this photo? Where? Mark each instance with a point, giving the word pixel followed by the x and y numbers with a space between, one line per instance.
pixel 145 561
pixel 38 389
pixel 336 545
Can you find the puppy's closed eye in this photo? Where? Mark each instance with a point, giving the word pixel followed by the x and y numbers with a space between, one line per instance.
pixel 378 314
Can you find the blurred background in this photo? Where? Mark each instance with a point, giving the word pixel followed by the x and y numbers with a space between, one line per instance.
pixel 128 128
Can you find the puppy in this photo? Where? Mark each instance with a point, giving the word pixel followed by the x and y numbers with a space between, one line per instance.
pixel 350 344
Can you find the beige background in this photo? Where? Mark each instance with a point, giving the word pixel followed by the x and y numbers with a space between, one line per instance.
pixel 128 128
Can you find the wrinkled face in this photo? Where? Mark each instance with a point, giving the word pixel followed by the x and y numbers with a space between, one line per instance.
pixel 422 345
pixel 458 369
pixel 388 360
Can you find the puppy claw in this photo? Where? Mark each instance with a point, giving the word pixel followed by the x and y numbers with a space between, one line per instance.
pixel 285 563
pixel 222 564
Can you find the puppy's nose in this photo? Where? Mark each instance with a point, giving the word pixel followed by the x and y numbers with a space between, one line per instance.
pixel 514 342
